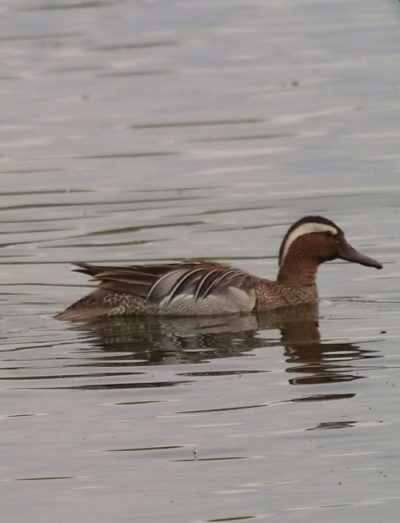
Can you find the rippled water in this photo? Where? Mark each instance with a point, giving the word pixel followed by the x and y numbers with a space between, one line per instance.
pixel 149 130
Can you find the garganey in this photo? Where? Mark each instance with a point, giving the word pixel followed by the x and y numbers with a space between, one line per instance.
pixel 203 287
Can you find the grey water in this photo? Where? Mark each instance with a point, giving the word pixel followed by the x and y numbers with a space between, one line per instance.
pixel 146 130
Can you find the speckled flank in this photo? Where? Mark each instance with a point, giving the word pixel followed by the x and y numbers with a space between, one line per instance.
pixel 102 302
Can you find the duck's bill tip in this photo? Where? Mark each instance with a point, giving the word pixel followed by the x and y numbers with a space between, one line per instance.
pixel 350 254
pixel 376 264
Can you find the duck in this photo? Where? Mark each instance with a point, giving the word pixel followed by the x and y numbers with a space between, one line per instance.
pixel 200 287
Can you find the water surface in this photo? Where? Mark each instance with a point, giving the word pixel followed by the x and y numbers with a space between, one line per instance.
pixel 138 131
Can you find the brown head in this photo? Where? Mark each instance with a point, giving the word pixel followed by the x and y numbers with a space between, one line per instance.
pixel 310 241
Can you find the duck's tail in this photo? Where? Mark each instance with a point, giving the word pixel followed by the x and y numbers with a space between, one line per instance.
pixel 89 307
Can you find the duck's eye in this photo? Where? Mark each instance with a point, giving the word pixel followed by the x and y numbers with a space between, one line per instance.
pixel 328 233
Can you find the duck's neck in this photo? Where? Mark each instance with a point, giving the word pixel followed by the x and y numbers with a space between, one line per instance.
pixel 298 271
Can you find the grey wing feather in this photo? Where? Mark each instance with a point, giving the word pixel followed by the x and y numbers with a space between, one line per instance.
pixel 183 281
pixel 222 281
pixel 221 290
pixel 165 285
pixel 182 287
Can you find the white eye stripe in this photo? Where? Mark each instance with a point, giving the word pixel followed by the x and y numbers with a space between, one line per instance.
pixel 305 228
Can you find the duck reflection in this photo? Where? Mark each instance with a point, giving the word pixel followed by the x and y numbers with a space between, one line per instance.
pixel 150 341
pixel 156 340
pixel 313 360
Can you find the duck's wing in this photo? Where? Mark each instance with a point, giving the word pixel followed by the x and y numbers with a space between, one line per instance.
pixel 188 287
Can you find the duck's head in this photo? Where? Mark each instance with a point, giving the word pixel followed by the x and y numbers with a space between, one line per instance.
pixel 313 240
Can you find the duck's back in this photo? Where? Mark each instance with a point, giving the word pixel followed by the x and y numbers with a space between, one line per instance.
pixel 189 288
